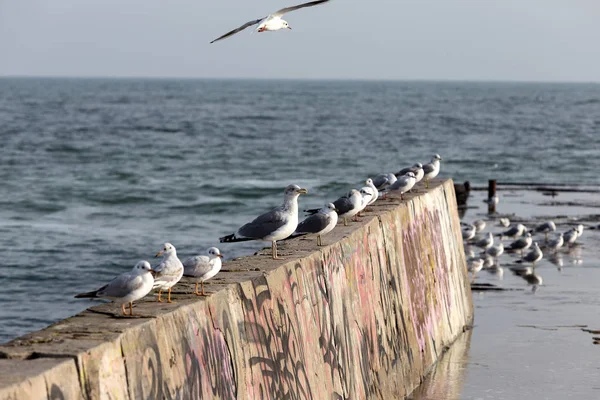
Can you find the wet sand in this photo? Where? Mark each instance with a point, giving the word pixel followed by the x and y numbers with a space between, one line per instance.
pixel 529 343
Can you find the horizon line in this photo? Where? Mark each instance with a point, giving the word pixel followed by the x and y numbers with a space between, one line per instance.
pixel 416 80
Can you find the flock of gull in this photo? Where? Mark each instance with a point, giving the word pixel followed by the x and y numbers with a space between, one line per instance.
pixel 522 243
pixel 281 223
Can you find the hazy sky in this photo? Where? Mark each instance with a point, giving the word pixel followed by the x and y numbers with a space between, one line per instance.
pixel 541 40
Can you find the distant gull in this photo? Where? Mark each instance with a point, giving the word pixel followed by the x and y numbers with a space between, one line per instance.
pixel 479 225
pixel 318 224
pixel 474 265
pixel 486 242
pixel 468 232
pixel 274 225
pixel 432 169
pixel 127 287
pixel 272 22
pixel 494 200
pixel 203 267
pixel 556 243
pixel 570 236
pixel 168 272
pixel 545 228
pixel 505 222
pixel 416 169
pixel 382 181
pixel 488 261
pixel 579 229
pixel 469 253
pixel 495 251
pixel 403 184
pixel 533 256
pixel 521 244
pixel 513 232
pixel 348 205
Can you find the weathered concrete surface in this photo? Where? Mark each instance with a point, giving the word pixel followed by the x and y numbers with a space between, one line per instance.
pixel 365 317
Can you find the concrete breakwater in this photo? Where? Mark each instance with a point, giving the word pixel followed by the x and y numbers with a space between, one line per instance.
pixel 364 317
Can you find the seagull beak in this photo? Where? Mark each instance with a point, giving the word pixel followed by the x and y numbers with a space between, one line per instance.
pixel 336 210
pixel 153 273
pixel 302 191
pixel 289 27
pixel 220 255
pixel 160 253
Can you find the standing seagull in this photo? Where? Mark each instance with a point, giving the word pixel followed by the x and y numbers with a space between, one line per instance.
pixel 416 169
pixel 556 243
pixel 486 242
pixel 533 256
pixel 545 228
pixel 474 265
pixel 127 287
pixel 347 206
pixel 432 169
pixel 318 224
pixel 479 225
pixel 514 232
pixel 495 251
pixel 369 183
pixel 169 271
pixel 203 267
pixel 272 22
pixel 274 225
pixel 468 232
pixel 521 244
pixel 570 236
pixel 382 181
pixel 403 184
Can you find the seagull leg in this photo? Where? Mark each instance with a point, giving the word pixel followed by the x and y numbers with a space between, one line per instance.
pixel 545 236
pixel 319 240
pixel 426 183
pixel 169 297
pixel 123 309
pixel 202 293
pixel 159 292
pixel 130 308
pixel 196 291
pixel 274 251
pixel 345 222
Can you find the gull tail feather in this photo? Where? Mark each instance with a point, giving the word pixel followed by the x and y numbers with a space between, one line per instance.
pixel 233 238
pixel 312 211
pixel 87 295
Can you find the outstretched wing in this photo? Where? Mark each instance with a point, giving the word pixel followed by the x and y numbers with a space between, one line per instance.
pixel 286 10
pixel 241 28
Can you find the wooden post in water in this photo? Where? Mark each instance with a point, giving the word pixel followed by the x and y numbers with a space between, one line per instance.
pixel 491 193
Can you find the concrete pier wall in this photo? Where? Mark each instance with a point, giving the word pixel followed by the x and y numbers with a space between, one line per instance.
pixel 366 316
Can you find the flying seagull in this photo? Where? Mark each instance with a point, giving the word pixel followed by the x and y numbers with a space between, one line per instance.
pixel 272 22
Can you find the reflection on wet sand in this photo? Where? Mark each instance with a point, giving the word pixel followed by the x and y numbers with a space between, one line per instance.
pixel 447 378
